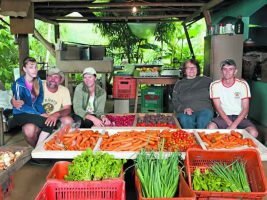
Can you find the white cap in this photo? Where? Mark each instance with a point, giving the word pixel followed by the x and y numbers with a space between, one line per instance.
pixel 89 70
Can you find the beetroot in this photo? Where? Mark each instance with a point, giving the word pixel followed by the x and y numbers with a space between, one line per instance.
pixel 121 120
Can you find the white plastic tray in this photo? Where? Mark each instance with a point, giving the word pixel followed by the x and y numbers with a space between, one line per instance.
pixel 260 147
pixel 40 152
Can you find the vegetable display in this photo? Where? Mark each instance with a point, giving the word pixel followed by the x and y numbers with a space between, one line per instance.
pixel 98 166
pixel 7 158
pixel 179 140
pixel 218 140
pixel 222 178
pixel 73 140
pixel 159 177
pixel 158 120
pixel 125 120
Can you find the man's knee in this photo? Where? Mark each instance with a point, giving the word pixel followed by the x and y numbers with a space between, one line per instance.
pixel 66 120
pixel 212 125
pixel 30 130
pixel 252 131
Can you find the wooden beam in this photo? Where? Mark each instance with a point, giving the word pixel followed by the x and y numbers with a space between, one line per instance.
pixel 207 17
pixel 107 10
pixel 189 41
pixel 57 33
pixel 15 8
pixel 58 18
pixel 23 42
pixel 49 46
pixel 123 21
pixel 44 19
pixel 207 6
pixel 110 5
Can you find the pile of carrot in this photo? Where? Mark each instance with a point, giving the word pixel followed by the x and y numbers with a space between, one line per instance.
pixel 219 140
pixel 73 141
pixel 131 141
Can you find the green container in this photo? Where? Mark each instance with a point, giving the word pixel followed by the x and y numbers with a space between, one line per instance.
pixel 152 98
pixel 151 110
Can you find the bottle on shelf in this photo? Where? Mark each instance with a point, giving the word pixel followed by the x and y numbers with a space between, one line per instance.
pixel 221 28
pixel 239 25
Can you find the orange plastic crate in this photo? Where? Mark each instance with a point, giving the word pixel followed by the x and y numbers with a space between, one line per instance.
pixel 57 188
pixel 185 193
pixel 204 159
pixel 124 87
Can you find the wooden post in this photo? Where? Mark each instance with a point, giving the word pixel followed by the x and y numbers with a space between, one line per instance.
pixel 57 33
pixel 1 128
pixel 189 41
pixel 23 42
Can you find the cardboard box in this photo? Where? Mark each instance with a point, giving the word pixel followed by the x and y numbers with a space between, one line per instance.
pixel 97 52
pixel 70 53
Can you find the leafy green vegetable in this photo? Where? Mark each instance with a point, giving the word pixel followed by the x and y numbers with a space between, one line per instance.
pixel 222 178
pixel 89 166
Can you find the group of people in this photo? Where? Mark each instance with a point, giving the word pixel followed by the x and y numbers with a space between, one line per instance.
pixel 195 98
pixel 41 106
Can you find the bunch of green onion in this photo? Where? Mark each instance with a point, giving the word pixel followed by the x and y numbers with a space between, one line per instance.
pixel 235 174
pixel 159 177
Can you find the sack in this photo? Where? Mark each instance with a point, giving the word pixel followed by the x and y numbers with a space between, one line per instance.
pixel 5 99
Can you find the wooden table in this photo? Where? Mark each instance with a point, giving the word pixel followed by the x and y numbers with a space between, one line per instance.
pixel 152 80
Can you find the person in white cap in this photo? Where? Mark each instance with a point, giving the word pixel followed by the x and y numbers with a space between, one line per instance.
pixel 57 105
pixel 89 101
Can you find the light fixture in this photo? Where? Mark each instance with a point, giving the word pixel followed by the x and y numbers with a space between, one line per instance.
pixel 134 10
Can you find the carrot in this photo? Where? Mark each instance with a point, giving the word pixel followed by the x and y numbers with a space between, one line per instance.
pixel 236 134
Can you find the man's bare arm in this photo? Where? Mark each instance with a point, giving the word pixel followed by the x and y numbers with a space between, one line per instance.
pixel 243 114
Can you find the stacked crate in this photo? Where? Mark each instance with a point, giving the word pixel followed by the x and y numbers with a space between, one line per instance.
pixel 124 87
pixel 152 99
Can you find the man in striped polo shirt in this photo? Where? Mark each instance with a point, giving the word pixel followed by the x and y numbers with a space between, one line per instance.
pixel 230 97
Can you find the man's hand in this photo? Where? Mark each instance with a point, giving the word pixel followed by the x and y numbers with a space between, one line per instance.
pixel 232 126
pixel 188 111
pixel 44 115
pixel 52 119
pixel 106 121
pixel 17 103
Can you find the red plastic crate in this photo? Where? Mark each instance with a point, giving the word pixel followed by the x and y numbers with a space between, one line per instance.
pixel 57 188
pixel 185 193
pixel 204 159
pixel 124 87
pixel 6 188
pixel 83 190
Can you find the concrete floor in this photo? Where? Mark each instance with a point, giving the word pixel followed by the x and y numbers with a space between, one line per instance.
pixel 30 178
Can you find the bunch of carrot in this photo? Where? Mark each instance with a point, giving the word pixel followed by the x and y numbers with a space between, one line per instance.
pixel 218 140
pixel 131 141
pixel 73 141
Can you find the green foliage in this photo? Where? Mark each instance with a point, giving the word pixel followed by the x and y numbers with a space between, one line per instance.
pixel 123 43
pixel 37 50
pixel 98 166
pixel 8 57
